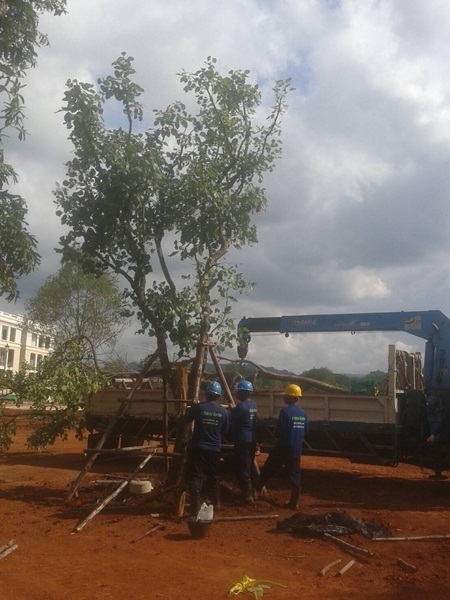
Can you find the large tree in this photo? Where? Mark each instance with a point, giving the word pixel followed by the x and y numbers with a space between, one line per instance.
pixel 74 304
pixel 20 38
pixel 162 207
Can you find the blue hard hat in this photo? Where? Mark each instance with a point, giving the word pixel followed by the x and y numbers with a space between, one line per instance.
pixel 214 388
pixel 244 386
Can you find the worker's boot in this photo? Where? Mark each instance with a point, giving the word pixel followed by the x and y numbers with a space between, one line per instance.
pixel 247 492
pixel 215 497
pixel 196 502
pixel 293 500
pixel 259 488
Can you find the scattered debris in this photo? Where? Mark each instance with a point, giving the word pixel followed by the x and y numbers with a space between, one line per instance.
pixel 333 523
pixel 8 548
pixel 116 492
pixel 329 566
pixel 253 586
pixel 406 566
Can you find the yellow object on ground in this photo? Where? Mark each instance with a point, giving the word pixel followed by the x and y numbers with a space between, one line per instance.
pixel 253 586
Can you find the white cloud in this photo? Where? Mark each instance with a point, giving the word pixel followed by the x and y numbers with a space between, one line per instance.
pixel 357 218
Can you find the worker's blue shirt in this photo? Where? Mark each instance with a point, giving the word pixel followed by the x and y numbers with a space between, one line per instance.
pixel 243 420
pixel 292 425
pixel 211 420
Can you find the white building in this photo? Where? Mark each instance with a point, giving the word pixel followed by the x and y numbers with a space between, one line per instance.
pixel 18 344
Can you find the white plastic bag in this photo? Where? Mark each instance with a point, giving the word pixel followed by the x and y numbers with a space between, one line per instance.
pixel 206 512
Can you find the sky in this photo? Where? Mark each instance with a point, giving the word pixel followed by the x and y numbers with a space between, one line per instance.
pixel 357 218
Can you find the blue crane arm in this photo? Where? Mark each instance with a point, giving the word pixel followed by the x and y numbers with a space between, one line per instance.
pixel 431 325
pixel 420 323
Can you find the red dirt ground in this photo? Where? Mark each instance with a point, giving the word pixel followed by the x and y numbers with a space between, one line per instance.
pixel 99 563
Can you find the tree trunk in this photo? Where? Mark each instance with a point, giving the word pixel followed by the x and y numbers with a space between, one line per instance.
pixel 176 472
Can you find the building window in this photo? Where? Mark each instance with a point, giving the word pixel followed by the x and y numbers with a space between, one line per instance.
pixel 12 334
pixel 33 360
pixel 10 359
pixel 4 332
pixel 34 339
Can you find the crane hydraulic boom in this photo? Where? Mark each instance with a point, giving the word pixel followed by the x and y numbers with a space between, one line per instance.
pixel 432 326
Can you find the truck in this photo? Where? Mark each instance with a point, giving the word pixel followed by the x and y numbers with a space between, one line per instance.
pixel 386 428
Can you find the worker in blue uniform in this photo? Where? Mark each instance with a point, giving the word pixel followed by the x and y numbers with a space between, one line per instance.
pixel 438 421
pixel 211 420
pixel 243 426
pixel 292 425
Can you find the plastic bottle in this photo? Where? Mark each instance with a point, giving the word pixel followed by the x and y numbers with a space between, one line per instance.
pixel 206 512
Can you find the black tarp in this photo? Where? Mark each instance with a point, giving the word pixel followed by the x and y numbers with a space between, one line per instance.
pixel 334 523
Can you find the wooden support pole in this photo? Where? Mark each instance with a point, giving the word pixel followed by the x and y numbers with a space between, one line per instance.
pixel 76 484
pixel 223 381
pixel 112 422
pixel 116 492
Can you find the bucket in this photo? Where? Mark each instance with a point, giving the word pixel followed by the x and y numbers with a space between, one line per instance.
pixel 199 529
pixel 138 486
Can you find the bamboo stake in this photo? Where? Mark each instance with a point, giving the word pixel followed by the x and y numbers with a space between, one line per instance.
pixel 122 486
pixel 406 566
pixel 330 565
pixel 412 539
pixel 8 548
pixel 148 532
pixel 345 569
pixel 246 518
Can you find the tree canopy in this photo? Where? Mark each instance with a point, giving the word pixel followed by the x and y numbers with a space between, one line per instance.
pixel 20 38
pixel 162 207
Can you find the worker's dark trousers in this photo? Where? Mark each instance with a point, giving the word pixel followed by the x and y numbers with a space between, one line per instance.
pixel 203 467
pixel 244 456
pixel 279 457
